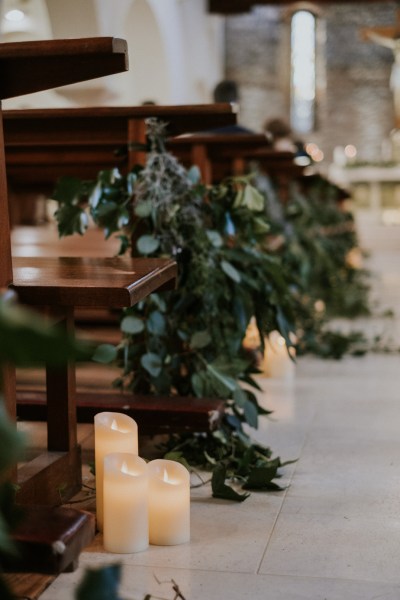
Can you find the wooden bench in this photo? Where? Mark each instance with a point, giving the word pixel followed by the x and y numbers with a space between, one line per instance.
pixel 44 145
pixel 41 146
pixel 220 155
pixel 59 284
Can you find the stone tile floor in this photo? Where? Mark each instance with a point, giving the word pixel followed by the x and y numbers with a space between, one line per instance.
pixel 334 533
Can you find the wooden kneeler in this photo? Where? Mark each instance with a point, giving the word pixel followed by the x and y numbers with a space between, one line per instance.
pixel 60 284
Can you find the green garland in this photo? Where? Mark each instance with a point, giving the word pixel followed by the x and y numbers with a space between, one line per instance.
pixel 190 341
pixel 316 239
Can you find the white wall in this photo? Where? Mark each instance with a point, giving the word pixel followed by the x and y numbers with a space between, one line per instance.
pixel 175 51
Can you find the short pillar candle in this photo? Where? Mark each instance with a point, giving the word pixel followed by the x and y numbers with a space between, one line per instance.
pixel 126 526
pixel 169 503
pixel 277 358
pixel 113 432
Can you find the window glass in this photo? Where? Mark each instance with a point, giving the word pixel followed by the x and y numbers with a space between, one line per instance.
pixel 302 105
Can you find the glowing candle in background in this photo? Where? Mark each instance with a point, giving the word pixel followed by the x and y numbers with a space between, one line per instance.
pixel 125 489
pixel 113 432
pixel 169 503
pixel 277 362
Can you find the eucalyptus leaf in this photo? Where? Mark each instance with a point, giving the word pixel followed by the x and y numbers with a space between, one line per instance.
pixel 155 323
pixel 152 363
pixel 132 325
pixel 215 238
pixel 143 209
pixel 194 175
pixel 147 244
pixel 200 339
pixel 105 353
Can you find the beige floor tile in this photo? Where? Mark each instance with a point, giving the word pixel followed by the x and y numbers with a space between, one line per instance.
pixel 333 546
pixel 200 585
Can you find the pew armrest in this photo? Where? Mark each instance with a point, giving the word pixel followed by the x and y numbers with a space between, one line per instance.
pixel 27 67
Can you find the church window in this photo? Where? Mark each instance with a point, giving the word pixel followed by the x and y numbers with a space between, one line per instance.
pixel 303 71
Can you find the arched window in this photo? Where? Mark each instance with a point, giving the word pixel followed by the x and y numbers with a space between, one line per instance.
pixel 303 78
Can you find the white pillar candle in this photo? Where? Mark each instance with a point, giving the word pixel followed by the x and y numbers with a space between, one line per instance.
pixel 169 503
pixel 125 486
pixel 277 362
pixel 113 432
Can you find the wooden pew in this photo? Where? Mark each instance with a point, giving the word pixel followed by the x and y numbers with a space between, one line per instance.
pixel 59 284
pixel 44 145
pixel 41 146
pixel 223 155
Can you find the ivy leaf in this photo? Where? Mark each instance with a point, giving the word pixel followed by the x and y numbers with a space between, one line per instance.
pixel 219 487
pixel 100 584
pixel 200 339
pixel 105 354
pixel 260 478
pixel 132 325
pixel 251 414
pixel 71 219
pixel 67 190
pixel 230 271
pixel 215 238
pixel 240 397
pixel 147 244
pixel 151 363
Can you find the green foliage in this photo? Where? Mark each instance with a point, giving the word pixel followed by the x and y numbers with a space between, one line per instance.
pixel 100 584
pixel 189 341
pixel 220 489
pixel 230 455
pixel 315 237
pixel 223 237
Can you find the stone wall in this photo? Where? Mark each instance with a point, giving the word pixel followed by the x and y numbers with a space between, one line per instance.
pixel 355 104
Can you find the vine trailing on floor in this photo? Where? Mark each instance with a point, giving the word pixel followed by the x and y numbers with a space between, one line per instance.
pixel 189 341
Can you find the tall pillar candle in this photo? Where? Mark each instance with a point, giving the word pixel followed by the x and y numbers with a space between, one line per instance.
pixel 113 432
pixel 125 488
pixel 169 503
